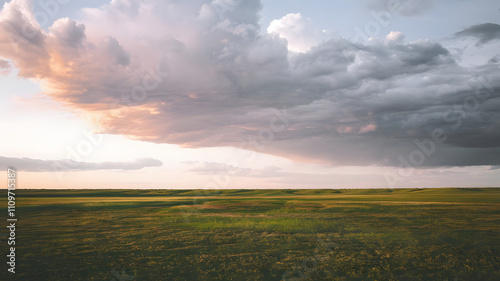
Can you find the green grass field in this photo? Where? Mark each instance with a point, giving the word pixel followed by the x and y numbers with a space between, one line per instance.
pixel 401 234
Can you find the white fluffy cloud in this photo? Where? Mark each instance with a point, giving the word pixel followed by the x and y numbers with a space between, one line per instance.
pixel 395 36
pixel 298 31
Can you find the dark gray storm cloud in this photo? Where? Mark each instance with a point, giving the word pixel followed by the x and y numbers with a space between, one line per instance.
pixel 37 165
pixel 484 32
pixel 210 78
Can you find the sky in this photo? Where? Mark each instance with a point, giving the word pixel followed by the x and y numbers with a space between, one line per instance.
pixel 250 94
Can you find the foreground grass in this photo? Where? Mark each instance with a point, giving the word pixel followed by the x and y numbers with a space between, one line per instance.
pixel 408 234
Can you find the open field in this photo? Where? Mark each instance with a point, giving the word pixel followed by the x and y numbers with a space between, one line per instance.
pixel 402 234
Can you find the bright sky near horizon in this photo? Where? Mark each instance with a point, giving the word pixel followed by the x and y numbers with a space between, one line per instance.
pixel 250 94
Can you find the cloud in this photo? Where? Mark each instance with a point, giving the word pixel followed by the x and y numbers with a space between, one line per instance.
pixel 276 175
pixel 5 67
pixel 68 33
pixel 116 50
pixel 475 45
pixel 485 32
pixel 211 168
pixel 21 37
pixel 395 36
pixel 66 165
pixel 201 74
pixel 495 59
pixel 297 30
pixel 129 8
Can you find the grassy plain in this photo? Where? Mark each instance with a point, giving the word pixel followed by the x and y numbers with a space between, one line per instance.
pixel 379 234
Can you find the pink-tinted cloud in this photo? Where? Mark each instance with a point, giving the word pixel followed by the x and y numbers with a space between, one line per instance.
pixel 202 74
pixel 5 67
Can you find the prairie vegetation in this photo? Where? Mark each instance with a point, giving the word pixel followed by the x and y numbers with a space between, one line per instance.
pixel 401 234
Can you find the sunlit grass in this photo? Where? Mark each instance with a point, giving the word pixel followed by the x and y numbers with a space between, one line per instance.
pixel 404 234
